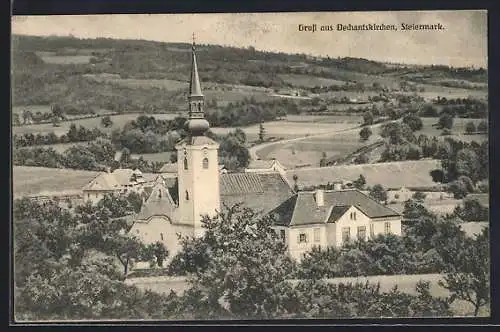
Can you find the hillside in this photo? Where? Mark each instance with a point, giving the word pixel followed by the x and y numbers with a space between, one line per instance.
pixel 62 69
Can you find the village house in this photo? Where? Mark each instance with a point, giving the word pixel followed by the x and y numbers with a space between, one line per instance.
pixel 331 219
pixel 262 166
pixel 120 181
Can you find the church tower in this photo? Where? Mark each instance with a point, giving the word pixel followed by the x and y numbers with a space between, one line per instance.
pixel 197 161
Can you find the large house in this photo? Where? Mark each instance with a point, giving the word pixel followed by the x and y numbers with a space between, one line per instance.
pixel 303 219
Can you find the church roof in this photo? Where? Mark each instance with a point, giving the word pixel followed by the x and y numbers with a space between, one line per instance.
pixel 194 82
pixel 258 191
pixel 302 208
pixel 159 203
pixel 198 140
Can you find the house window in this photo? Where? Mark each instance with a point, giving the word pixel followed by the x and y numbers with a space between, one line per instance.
pixel 187 196
pixel 205 163
pixel 302 238
pixel 95 195
pixel 353 215
pixel 159 193
pixel 372 230
pixel 161 236
pixel 185 163
pixel 387 227
pixel 362 233
pixel 316 235
pixel 346 234
pixel 88 196
pixel 282 234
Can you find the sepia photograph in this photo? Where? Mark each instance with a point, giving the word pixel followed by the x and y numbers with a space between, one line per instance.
pixel 250 166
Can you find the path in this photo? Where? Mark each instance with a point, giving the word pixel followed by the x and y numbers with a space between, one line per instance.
pixel 254 149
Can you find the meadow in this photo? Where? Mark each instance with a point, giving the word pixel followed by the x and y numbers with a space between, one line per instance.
pixel 28 180
pixel 171 85
pixel 308 81
pixel 390 175
pixel 118 122
pixel 66 59
pixel 457 131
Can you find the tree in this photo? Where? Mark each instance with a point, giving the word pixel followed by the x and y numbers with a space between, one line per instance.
pixel 368 118
pixel 55 121
pixel 365 133
pixel 482 127
pixel 470 128
pixel 472 210
pixel 15 119
pixel 378 193
pixel 413 121
pixel 362 158
pixel 467 272
pixel 419 196
pixel 262 132
pixel 158 252
pixel 323 160
pixel 106 121
pixel 242 266
pixel 445 121
pixel 360 182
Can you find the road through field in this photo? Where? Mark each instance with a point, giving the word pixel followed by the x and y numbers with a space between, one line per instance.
pixel 256 148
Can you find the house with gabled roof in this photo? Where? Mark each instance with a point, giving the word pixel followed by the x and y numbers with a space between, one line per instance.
pixel 331 218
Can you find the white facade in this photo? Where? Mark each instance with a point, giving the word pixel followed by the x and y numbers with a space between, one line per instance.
pixel 352 225
pixel 198 174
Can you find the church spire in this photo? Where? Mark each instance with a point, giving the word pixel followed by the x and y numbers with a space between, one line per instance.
pixel 197 125
pixel 194 83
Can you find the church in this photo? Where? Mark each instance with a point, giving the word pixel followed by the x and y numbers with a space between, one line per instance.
pixel 304 219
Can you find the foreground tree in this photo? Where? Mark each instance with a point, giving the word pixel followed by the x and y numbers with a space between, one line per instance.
pixel 240 266
pixel 467 272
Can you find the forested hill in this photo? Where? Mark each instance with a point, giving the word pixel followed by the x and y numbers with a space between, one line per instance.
pixel 42 64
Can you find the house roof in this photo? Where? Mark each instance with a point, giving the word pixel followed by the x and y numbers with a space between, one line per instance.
pixel 306 211
pixel 261 164
pixel 104 181
pixel 122 175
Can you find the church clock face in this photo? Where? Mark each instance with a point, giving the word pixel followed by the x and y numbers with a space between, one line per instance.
pixel 205 151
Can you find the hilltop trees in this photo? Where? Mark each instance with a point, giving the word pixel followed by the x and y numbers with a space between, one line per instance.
pixel 470 128
pixel 445 121
pixel 368 118
pixel 106 121
pixel 413 121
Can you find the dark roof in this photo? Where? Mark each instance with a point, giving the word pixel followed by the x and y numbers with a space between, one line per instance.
pixel 159 203
pixel 337 212
pixel 306 211
pixel 261 192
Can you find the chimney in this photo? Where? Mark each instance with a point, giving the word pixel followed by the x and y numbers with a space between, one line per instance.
pixel 319 196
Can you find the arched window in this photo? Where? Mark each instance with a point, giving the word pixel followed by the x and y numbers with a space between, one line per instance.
pixel 185 163
pixel 159 193
pixel 187 196
pixel 205 163
pixel 161 236
pixel 199 107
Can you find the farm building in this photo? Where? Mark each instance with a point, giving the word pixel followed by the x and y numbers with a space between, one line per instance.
pixel 202 189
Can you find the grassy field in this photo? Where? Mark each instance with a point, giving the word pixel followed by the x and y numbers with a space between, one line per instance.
pixel 434 91
pixel 457 130
pixel 166 84
pixel 309 151
pixel 390 175
pixel 163 157
pixel 66 59
pixel 405 283
pixel 118 122
pixel 34 180
pixel 308 81
pixel 286 129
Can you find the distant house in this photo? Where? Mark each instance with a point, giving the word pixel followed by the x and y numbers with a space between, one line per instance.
pixel 331 218
pixel 121 180
pixel 399 195
pixel 264 166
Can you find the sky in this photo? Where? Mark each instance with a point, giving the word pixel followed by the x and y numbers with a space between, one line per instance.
pixel 462 43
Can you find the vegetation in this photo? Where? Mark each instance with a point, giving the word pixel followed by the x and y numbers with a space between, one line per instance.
pixel 365 133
